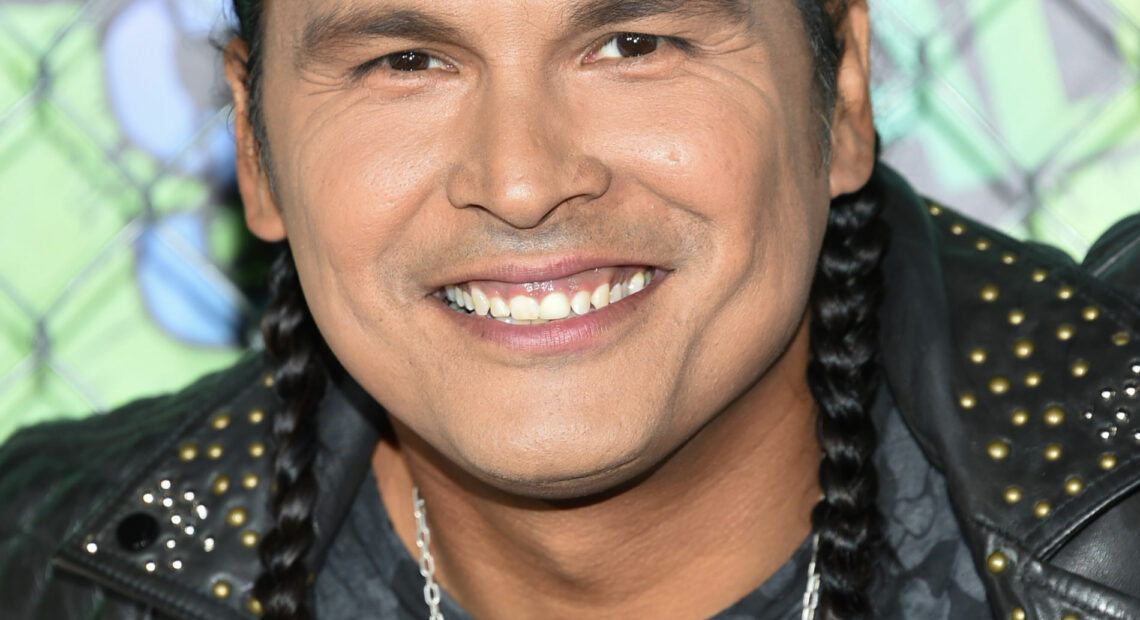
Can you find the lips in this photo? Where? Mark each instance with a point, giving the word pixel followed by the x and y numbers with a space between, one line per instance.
pixel 545 301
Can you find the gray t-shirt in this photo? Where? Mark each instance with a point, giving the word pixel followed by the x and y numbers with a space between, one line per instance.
pixel 927 574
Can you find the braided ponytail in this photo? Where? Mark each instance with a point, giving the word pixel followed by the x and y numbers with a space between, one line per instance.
pixel 844 376
pixel 294 345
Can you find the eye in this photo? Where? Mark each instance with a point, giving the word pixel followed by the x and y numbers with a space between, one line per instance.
pixel 410 60
pixel 628 45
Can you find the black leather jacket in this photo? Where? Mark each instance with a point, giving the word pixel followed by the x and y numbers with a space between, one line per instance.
pixel 1017 371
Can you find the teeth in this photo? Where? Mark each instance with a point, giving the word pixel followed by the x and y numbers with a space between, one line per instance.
pixel 499 308
pixel 554 306
pixel 617 293
pixel 524 308
pixel 601 296
pixel 580 304
pixel 636 283
pixel 482 304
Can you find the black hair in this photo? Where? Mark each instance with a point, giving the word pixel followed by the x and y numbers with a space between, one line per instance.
pixel 843 373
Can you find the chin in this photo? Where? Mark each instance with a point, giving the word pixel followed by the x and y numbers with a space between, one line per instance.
pixel 570 461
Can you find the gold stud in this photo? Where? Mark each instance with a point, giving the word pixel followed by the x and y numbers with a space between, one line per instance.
pixel 989 292
pixel 1017 614
pixel 1070 617
pixel 1019 417
pixel 221 485
pixel 1032 379
pixel 998 450
pixel 1065 332
pixel 935 210
pixel 1052 452
pixel 1054 416
pixel 254 607
pixel 249 538
pixel 978 356
pixel 236 517
pixel 1065 292
pixel 1023 348
pixel 222 589
pixel 999 385
pixel 1121 339
pixel 267 380
pixel 257 449
pixel 249 481
pixel 1039 275
pixel 1074 485
pixel 1107 461
pixel 1041 509
pixel 214 451
pixel 968 401
pixel 997 562
pixel 1009 258
pixel 1013 495
pixel 220 421
pixel 256 416
pixel 1091 313
pixel 982 244
pixel 1079 368
pixel 1016 317
pixel 188 452
pixel 958 228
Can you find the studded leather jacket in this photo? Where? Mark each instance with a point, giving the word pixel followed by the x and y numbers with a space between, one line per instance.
pixel 1016 370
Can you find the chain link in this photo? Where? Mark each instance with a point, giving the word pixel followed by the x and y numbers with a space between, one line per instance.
pixel 427 562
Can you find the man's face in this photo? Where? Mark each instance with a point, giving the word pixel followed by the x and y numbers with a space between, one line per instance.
pixel 529 155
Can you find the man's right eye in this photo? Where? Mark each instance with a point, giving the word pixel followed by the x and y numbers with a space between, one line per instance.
pixel 409 60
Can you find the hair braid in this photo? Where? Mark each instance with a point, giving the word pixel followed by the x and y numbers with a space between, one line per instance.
pixel 294 345
pixel 844 376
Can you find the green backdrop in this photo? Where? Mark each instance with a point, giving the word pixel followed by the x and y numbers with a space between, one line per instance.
pixel 125 271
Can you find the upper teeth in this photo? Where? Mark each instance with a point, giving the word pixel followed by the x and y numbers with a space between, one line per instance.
pixel 552 306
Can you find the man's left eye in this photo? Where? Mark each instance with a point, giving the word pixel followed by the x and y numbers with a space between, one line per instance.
pixel 628 45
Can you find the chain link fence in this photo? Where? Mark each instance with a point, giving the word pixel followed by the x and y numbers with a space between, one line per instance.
pixel 125 269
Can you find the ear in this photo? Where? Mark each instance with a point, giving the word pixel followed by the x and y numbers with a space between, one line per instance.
pixel 853 127
pixel 261 212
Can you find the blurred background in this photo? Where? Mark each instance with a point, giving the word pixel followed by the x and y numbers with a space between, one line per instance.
pixel 125 269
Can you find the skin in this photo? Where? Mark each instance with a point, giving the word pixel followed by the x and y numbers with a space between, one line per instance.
pixel 668 468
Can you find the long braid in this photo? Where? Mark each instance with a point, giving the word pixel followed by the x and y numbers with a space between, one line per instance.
pixel 844 377
pixel 293 343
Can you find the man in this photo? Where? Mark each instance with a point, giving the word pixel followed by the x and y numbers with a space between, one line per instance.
pixel 596 285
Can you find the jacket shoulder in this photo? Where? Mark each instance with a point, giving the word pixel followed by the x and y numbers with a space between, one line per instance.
pixel 54 475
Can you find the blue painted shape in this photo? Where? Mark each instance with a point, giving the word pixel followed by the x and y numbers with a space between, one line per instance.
pixel 176 294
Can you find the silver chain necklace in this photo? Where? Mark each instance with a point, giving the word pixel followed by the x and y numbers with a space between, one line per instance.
pixel 431 588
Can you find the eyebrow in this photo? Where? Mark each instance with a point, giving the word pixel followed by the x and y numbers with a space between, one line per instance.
pixel 329 32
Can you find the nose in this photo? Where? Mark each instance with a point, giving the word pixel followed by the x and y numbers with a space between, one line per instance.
pixel 523 159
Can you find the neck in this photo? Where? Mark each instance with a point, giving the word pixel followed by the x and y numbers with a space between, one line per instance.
pixel 701 531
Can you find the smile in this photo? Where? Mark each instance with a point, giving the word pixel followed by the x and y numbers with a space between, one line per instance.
pixel 554 300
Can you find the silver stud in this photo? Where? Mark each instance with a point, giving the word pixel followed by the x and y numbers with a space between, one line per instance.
pixel 165 485
pixel 1107 432
pixel 176 519
pixel 188 496
pixel 1087 416
pixel 208 544
pixel 189 530
pixel 176 564
pixel 1136 436
pixel 168 502
pixel 1122 416
pixel 201 511
pixel 92 548
pixel 1136 368
pixel 150 566
pixel 148 498
pixel 171 544
pixel 1130 391
pixel 1107 393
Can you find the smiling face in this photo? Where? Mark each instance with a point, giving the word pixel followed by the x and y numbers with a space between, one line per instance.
pixel 642 177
